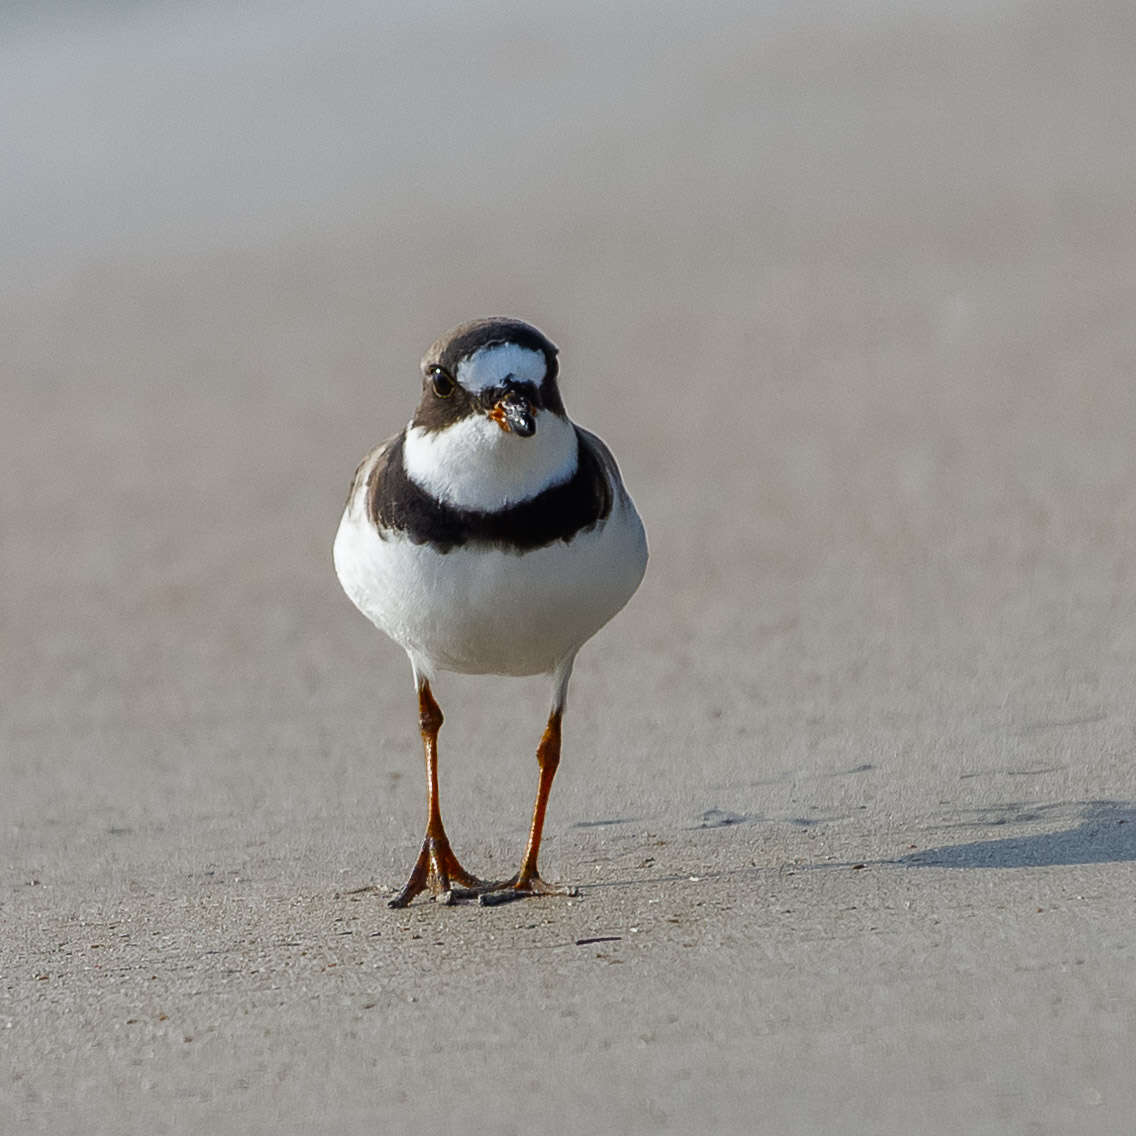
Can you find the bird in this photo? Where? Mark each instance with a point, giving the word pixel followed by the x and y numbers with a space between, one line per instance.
pixel 492 535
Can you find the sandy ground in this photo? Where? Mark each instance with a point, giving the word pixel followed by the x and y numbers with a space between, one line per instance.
pixel 848 789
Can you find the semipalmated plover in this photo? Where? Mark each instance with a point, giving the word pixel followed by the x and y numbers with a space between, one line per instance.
pixel 490 536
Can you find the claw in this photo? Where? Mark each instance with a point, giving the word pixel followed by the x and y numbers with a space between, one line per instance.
pixel 437 868
pixel 521 887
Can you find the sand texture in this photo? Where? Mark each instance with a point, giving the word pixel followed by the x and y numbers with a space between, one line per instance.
pixel 848 789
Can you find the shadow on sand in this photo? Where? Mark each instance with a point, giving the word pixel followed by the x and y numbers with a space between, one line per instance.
pixel 1105 833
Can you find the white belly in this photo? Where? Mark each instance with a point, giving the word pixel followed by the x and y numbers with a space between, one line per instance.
pixel 481 610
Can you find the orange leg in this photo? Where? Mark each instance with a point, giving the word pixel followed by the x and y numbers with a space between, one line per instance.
pixel 437 867
pixel 548 758
pixel 528 881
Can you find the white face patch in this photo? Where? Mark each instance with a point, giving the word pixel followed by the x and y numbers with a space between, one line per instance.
pixel 474 464
pixel 491 366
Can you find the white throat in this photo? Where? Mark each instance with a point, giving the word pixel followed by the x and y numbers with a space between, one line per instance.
pixel 474 464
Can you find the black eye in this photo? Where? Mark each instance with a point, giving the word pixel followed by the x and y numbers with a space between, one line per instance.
pixel 441 382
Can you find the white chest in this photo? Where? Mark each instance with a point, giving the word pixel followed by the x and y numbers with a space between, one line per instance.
pixel 483 610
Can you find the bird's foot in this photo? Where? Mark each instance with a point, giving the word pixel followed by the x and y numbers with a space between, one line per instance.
pixel 522 886
pixel 438 869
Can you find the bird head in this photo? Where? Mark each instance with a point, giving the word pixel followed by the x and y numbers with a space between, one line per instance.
pixel 501 370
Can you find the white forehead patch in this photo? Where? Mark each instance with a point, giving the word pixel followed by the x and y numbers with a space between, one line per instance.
pixel 491 366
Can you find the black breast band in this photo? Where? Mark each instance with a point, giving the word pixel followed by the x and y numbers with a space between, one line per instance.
pixel 559 513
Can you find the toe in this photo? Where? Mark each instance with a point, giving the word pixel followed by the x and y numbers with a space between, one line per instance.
pixel 522 886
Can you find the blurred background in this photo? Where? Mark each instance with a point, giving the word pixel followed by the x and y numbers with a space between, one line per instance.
pixel 848 287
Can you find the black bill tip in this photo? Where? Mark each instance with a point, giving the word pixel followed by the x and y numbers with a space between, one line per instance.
pixel 520 419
